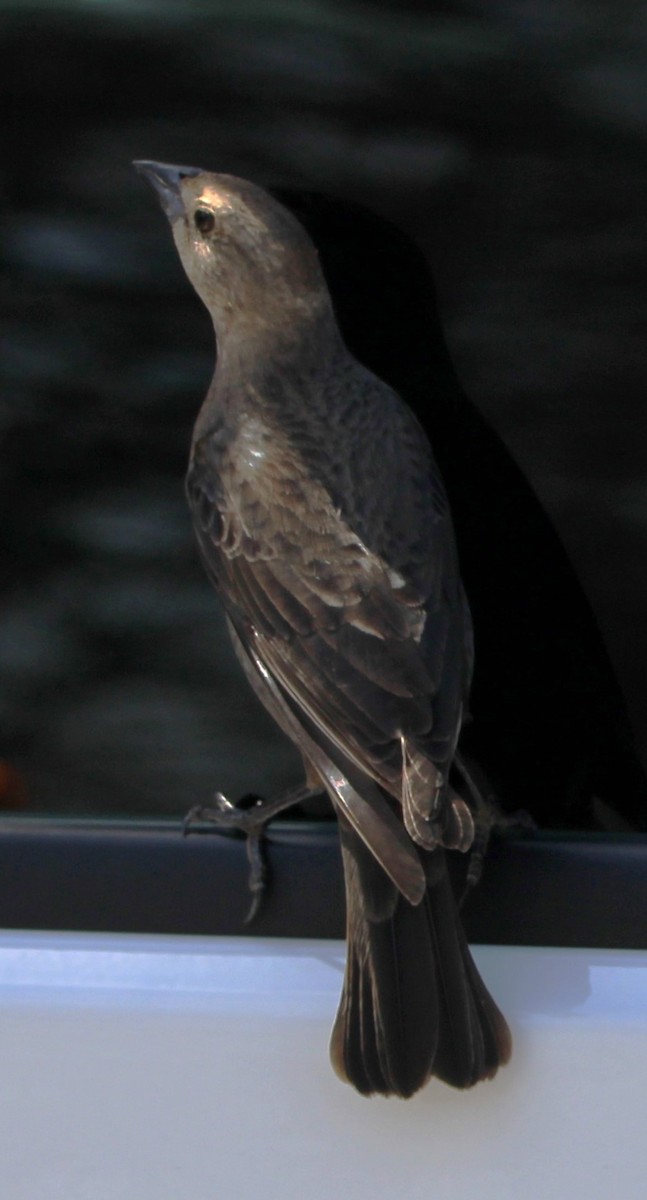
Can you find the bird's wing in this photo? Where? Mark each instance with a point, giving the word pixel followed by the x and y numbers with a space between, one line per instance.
pixel 370 653
pixel 355 797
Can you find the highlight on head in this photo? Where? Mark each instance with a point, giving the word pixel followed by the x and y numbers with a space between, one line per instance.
pixel 248 212
pixel 240 245
pixel 248 257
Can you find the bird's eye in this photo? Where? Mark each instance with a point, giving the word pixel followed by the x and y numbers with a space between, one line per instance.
pixel 204 220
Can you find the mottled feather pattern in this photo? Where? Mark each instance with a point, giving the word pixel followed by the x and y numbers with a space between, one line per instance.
pixel 340 622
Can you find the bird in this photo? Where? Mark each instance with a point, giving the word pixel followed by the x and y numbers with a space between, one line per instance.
pixel 322 522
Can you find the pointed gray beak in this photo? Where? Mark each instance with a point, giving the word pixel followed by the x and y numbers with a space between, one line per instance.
pixel 166 180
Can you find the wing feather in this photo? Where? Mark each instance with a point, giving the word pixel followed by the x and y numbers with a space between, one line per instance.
pixel 366 635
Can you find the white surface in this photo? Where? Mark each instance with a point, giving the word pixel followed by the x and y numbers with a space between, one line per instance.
pixel 197 1068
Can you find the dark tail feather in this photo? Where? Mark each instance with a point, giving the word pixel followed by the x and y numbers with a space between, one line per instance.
pixel 413 1004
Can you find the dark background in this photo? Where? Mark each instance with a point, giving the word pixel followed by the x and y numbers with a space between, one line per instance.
pixel 507 138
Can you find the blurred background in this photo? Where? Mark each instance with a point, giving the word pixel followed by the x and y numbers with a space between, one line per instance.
pixel 506 138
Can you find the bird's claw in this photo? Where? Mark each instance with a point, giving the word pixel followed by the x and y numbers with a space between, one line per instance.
pixel 246 816
pixel 258 873
pixel 223 805
pixel 249 818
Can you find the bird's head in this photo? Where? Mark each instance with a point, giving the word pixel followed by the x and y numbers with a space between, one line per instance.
pixel 248 258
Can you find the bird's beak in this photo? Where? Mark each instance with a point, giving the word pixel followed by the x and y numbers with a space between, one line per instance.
pixel 166 180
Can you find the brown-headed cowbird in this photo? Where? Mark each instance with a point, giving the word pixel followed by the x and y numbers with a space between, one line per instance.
pixel 322 521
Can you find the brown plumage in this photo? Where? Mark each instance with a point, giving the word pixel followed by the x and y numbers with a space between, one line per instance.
pixel 322 522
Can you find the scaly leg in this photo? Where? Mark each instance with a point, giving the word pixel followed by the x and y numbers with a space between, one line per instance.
pixel 487 816
pixel 250 816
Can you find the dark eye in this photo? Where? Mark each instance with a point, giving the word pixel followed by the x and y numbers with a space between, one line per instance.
pixel 204 220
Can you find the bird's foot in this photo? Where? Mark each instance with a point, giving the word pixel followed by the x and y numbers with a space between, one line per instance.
pixel 250 817
pixel 243 816
pixel 488 817
pixel 491 819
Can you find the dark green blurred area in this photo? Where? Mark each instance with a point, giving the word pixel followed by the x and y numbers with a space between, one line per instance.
pixel 507 138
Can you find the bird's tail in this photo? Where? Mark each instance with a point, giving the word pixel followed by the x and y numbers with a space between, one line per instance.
pixel 413 1003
